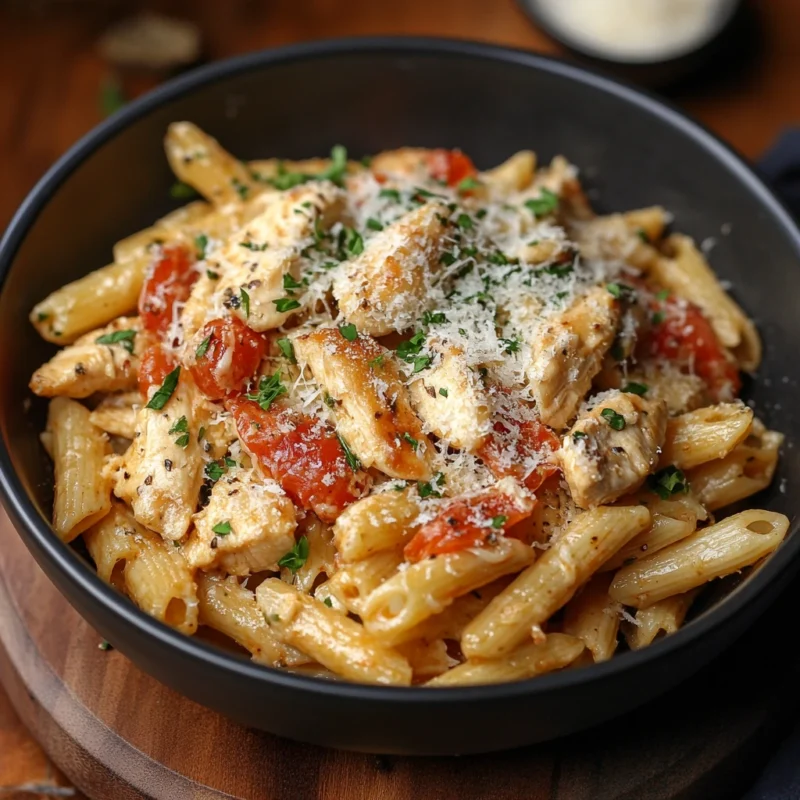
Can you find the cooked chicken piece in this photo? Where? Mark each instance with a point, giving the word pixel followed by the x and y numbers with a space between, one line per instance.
pixel 384 289
pixel 567 352
pixel 615 237
pixel 451 400
pixel 369 400
pixel 613 448
pixel 161 472
pixel 254 522
pixel 256 259
pixel 88 366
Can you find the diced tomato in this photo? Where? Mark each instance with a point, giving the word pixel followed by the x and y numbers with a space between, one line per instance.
pixel 155 365
pixel 302 454
pixel 450 166
pixel 466 522
pixel 230 355
pixel 681 333
pixel 512 443
pixel 168 282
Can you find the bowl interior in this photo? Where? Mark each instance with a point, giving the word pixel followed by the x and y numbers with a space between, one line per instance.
pixel 631 151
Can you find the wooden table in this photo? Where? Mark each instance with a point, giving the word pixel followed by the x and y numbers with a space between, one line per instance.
pixel 50 78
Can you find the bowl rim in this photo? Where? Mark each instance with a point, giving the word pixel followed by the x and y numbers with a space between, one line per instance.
pixel 38 533
pixel 547 24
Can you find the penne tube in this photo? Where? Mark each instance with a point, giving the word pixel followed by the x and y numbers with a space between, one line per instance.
pixel 515 174
pixel 82 490
pixel 428 587
pixel 663 617
pixel 199 160
pixel 160 581
pixel 649 223
pixel 112 545
pixel 352 583
pixel 593 617
pixel 335 641
pixel 688 274
pixel 713 552
pixel 705 434
pixel 378 522
pixel 747 470
pixel 116 414
pixel 321 553
pixel 228 607
pixel 673 519
pixel 162 231
pixel 537 593
pixel 427 658
pixel 91 301
pixel 556 652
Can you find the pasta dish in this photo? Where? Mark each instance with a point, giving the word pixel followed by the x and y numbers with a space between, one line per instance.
pixel 401 421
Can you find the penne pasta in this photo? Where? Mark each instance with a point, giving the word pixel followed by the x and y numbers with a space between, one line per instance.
pixel 721 549
pixel 428 587
pixel 705 434
pixel 228 607
pixel 556 652
pixel 336 642
pixel 593 617
pixel 663 617
pixel 82 491
pixel 519 611
pixel 116 414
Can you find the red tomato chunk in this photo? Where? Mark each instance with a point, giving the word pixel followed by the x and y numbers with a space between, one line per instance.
pixel 302 454
pixel 466 522
pixel 450 166
pixel 155 365
pixel 169 281
pixel 228 356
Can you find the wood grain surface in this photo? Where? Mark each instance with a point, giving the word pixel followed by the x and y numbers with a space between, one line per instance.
pixel 50 84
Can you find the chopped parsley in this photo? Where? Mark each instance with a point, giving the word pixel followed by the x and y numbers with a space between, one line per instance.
pixel 411 440
pixel 578 435
pixel 658 317
pixel 391 194
pixel 183 440
pixel 635 388
pixel 544 204
pixel 200 244
pixel 256 248
pixel 663 295
pixel 468 183
pixel 203 348
pixel 283 304
pixel 410 349
pixel 222 528
pixel 245 298
pixel 349 332
pixel 211 275
pixel 105 645
pixel 242 189
pixel 124 338
pixel 465 222
pixel 448 259
pixel 511 345
pixel 353 241
pixel 443 392
pixel 433 318
pixel 214 470
pixel 431 488
pixel 615 420
pixel 297 556
pixel 201 433
pixel 164 392
pixel 181 426
pixel 499 521
pixel 287 348
pixel 374 224
pixel 668 481
pixel 620 291
pixel 375 362
pixel 335 171
pixel 269 390
pixel 290 283
pixel 42 316
pixel 328 602
pixel 349 456
pixel 642 234
pixel 181 191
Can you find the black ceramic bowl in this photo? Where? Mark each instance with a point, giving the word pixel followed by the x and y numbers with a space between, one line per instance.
pixel 373 94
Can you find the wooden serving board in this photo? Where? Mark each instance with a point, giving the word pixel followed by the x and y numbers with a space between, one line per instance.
pixel 119 734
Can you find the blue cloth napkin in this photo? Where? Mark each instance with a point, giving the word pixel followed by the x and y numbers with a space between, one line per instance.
pixel 780 165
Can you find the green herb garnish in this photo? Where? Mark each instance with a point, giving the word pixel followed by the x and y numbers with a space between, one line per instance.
pixel 164 392
pixel 203 348
pixel 615 420
pixel 668 481
pixel 283 304
pixel 269 390
pixel 635 388
pixel 546 203
pixel 297 556
pixel 349 332
pixel 350 457
pixel 124 338
pixel 287 348
pixel 222 528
